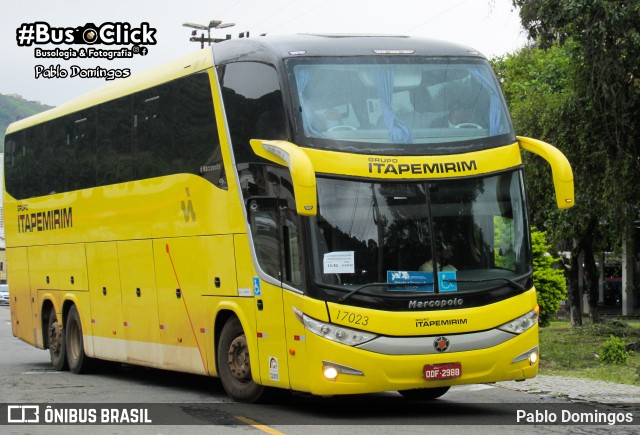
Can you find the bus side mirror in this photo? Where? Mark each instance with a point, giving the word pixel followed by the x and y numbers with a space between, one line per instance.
pixel 302 173
pixel 560 169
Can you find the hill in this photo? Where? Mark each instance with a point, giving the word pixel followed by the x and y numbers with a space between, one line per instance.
pixel 13 108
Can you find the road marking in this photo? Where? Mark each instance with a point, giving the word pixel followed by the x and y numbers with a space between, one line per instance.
pixel 259 426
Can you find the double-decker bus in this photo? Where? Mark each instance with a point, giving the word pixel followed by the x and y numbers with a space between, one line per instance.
pixel 320 213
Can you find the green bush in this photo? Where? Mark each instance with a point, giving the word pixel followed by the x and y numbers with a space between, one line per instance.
pixel 550 284
pixel 613 351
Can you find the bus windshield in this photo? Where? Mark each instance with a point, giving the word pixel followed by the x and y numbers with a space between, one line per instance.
pixel 370 103
pixel 387 235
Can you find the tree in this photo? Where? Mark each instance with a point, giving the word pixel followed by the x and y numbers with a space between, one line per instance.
pixel 602 40
pixel 538 85
pixel 550 284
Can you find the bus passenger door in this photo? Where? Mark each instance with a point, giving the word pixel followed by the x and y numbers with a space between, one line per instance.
pixel 267 232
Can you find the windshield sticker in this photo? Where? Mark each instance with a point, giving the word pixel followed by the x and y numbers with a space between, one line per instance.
pixel 447 281
pixel 410 277
pixel 339 262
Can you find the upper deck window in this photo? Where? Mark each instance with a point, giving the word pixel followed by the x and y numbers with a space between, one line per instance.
pixel 378 104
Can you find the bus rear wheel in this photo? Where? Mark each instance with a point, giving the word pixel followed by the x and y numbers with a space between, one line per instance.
pixel 234 366
pixel 78 361
pixel 424 393
pixel 56 342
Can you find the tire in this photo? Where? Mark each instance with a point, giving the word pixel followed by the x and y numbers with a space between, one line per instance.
pixel 424 393
pixel 56 343
pixel 78 361
pixel 234 367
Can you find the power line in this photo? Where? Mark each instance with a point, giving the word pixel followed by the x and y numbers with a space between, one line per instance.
pixel 300 15
pixel 437 16
pixel 274 13
pixel 230 7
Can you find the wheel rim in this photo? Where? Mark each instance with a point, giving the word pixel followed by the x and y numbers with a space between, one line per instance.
pixel 55 338
pixel 238 359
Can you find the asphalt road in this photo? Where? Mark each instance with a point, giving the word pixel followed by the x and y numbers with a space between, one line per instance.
pixel 180 403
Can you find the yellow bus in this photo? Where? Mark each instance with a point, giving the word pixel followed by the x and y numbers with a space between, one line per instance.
pixel 321 213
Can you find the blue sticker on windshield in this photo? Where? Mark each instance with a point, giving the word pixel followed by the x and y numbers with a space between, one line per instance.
pixel 447 282
pixel 410 277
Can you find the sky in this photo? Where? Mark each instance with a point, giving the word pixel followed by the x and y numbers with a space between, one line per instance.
pixel 489 26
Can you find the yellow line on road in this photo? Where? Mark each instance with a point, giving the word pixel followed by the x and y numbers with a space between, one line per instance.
pixel 259 426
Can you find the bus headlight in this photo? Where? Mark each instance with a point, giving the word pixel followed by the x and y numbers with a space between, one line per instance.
pixel 337 333
pixel 522 323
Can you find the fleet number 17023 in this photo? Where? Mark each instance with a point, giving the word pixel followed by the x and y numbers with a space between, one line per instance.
pixel 355 318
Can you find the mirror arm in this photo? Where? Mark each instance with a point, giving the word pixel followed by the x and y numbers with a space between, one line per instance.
pixel 560 169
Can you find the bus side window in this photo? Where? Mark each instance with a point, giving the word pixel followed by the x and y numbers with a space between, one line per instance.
pixel 163 130
pixel 115 128
pixel 175 130
pixel 263 218
pixel 291 245
pixel 253 104
pixel 276 240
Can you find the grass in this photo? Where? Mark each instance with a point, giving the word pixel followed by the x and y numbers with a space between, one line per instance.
pixel 574 352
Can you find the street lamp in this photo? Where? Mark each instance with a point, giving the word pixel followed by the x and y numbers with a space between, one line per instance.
pixel 213 24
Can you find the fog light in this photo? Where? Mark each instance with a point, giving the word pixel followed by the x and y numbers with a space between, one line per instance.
pixel 331 370
pixel 331 373
pixel 531 355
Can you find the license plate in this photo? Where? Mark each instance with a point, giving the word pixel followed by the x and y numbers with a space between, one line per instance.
pixel 442 371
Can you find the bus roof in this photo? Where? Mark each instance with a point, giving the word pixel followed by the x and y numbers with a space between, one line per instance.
pixel 261 49
pixel 272 48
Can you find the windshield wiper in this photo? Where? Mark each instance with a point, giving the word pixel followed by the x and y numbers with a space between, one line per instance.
pixel 388 284
pixel 511 281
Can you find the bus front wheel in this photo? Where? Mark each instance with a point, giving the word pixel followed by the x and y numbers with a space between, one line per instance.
pixel 424 393
pixel 56 342
pixel 234 366
pixel 78 361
